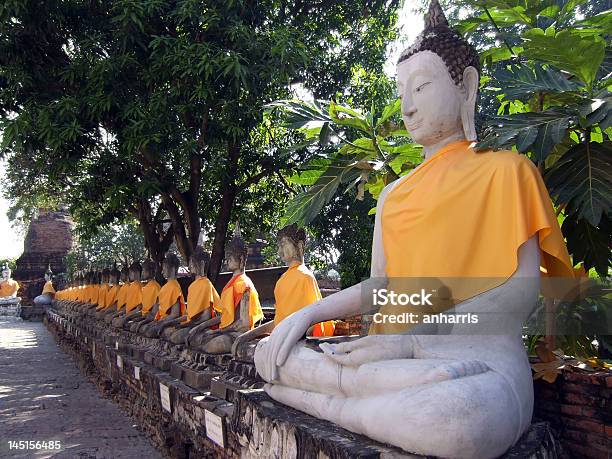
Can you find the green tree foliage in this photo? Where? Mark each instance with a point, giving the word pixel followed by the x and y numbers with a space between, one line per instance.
pixel 153 109
pixel 122 244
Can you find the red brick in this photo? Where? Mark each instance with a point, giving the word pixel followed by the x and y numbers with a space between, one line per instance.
pixel 580 450
pixel 608 430
pixel 584 424
pixel 609 381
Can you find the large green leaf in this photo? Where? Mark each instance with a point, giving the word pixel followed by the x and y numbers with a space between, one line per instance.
pixel 589 244
pixel 517 81
pixel 536 132
pixel 582 180
pixel 297 113
pixel 388 112
pixel 305 206
pixel 568 50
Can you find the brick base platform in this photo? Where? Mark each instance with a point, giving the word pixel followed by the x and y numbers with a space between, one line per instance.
pixel 222 413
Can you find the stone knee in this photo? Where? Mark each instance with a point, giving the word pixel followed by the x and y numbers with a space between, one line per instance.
pixel 178 337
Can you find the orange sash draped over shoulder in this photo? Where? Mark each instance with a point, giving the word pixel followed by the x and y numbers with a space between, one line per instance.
pixel 102 296
pixel 111 296
pixel 134 296
pixel 169 295
pixel 48 288
pixel 122 295
pixel 461 216
pixel 230 299
pixel 295 289
pixel 201 296
pixel 150 293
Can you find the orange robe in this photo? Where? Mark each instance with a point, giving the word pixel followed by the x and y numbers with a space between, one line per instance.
pixel 134 296
pixel 101 304
pixel 48 288
pixel 111 296
pixel 295 289
pixel 8 287
pixel 169 295
pixel 230 299
pixel 122 295
pixel 460 219
pixel 150 293
pixel 201 296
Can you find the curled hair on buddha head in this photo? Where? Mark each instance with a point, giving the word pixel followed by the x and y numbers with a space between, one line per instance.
pixel 439 38
pixel 294 233
pixel 236 246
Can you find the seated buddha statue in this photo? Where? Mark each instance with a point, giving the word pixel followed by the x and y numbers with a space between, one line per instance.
pixel 237 311
pixel 484 218
pixel 109 305
pixel 150 291
pixel 96 293
pixel 296 288
pixel 170 303
pixel 48 292
pixel 201 300
pixel 124 286
pixel 133 300
pixel 8 286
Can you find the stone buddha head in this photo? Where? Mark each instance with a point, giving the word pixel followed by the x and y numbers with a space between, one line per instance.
pixel 198 264
pixel 437 80
pixel 148 269
pixel 115 275
pixel 6 273
pixel 125 274
pixel 290 242
pixel 48 274
pixel 135 272
pixel 170 266
pixel 236 252
pixel 106 276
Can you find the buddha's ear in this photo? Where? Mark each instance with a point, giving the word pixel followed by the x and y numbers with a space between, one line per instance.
pixel 471 81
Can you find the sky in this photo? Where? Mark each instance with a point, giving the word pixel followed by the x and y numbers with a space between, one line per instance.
pixel 11 239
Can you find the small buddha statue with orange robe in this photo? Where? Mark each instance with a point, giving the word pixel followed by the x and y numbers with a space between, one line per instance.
pixel 170 304
pixel 202 297
pixel 133 301
pixel 8 286
pixel 150 294
pixel 295 289
pixel 124 286
pixel 109 305
pixel 48 292
pixel 238 311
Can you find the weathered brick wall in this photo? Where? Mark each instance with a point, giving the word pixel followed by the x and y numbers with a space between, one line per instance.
pixel 579 406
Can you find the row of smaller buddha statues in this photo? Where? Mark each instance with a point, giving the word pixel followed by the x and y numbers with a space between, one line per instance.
pixel 204 320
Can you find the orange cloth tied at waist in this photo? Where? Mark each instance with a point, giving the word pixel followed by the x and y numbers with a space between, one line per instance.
pixel 295 289
pixel 201 296
pixel 134 296
pixel 48 288
pixel 150 293
pixel 230 299
pixel 169 295
pixel 463 215
pixel 8 287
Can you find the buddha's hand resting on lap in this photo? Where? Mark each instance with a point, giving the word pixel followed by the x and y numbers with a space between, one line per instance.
pixel 370 349
pixel 283 338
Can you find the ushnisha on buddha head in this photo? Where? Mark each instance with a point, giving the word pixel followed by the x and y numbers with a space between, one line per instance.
pixel 437 80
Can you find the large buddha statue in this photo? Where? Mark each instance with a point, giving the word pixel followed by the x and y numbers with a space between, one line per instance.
pixel 201 300
pixel 295 289
pixel 238 310
pixel 8 286
pixel 48 292
pixel 484 218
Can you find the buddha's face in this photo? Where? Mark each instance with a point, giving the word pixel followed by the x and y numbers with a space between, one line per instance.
pixel 287 249
pixel 6 274
pixel 147 272
pixel 47 277
pixel 168 270
pixel 431 101
pixel 198 266
pixel 234 263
